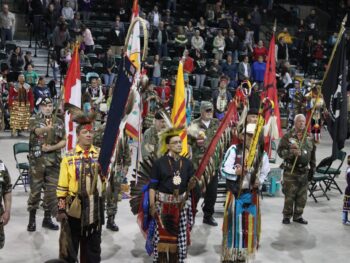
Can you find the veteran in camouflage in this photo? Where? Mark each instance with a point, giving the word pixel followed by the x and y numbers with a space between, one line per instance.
pixel 5 201
pixel 205 128
pixel 150 141
pixel 118 176
pixel 295 185
pixel 46 140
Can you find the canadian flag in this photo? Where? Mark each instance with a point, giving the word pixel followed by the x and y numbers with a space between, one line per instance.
pixel 72 95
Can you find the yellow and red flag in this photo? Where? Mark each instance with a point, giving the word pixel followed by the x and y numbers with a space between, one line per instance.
pixel 178 113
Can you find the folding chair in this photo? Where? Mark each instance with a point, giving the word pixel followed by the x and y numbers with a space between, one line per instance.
pixel 326 167
pixel 316 183
pixel 23 167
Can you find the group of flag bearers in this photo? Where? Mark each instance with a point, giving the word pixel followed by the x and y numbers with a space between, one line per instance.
pixel 164 194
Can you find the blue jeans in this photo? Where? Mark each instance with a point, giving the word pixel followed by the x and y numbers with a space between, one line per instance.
pixel 200 78
pixel 6 35
pixel 156 81
pixel 171 5
pixel 108 79
pixel 162 50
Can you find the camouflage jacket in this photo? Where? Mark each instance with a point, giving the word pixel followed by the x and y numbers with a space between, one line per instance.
pixel 198 151
pixel 36 141
pixel 306 161
pixel 149 144
pixel 5 184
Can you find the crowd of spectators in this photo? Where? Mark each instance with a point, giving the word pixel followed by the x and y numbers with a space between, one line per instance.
pixel 219 42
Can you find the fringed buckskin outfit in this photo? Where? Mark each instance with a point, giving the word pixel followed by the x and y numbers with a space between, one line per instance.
pixel 80 193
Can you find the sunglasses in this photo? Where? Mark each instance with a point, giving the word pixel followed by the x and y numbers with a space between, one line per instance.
pixel 208 110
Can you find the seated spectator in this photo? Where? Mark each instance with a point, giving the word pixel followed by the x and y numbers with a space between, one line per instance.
pixel 202 27
pixel 28 59
pixel 219 45
pixel 87 39
pixel 318 51
pixel 164 93
pixel 117 37
pixel 244 70
pixel 240 30
pixel 161 37
pixel 54 66
pixel 84 59
pixel 65 57
pixel 180 41
pixel 312 24
pixel 223 21
pixel 168 20
pixel 230 70
pixel 60 36
pixel 287 37
pixel 109 64
pixel 232 44
pixel 282 54
pixel 200 68
pixel 73 4
pixel 16 60
pixel 189 30
pixel 67 12
pixel 215 71
pixel 188 62
pixel 260 50
pixel 197 42
pixel 41 90
pixel 52 87
pixel 50 20
pixel 86 7
pixel 31 77
pixel 156 67
pixel 96 93
pixel 75 25
pixel 221 98
pixel 258 71
pixel 154 18
pixel 286 78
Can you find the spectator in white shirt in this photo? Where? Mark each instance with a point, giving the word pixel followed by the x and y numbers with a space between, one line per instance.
pixel 67 12
pixel 197 41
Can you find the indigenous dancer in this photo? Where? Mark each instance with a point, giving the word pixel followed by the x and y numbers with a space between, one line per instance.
pixel 21 103
pixel 80 194
pixel 170 183
pixel 346 207
pixel 241 226
pixel 315 99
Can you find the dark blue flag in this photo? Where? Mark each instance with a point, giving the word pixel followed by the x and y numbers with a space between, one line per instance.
pixel 116 112
pixel 335 96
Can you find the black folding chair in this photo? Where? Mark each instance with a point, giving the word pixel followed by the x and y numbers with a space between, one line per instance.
pixel 315 185
pixel 326 167
pixel 23 167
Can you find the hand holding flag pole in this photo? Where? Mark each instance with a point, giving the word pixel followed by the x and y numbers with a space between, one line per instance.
pixel 341 32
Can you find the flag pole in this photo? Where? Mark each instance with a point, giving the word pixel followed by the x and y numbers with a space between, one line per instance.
pixel 341 32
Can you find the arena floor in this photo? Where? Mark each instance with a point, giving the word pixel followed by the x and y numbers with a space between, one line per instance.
pixel 323 240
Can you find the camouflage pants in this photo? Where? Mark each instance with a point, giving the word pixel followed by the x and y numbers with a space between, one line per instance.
pixel 46 178
pixel 112 192
pixel 295 194
pixel 2 236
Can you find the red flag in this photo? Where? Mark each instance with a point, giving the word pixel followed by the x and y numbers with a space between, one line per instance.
pixel 72 95
pixel 271 88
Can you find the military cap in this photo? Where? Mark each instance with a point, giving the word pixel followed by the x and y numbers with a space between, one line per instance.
pixel 205 105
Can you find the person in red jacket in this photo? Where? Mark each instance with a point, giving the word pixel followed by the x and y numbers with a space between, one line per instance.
pixel 260 50
pixel 21 104
pixel 318 50
pixel 188 63
pixel 164 93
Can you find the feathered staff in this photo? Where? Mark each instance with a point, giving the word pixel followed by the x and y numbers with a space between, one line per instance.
pixel 216 150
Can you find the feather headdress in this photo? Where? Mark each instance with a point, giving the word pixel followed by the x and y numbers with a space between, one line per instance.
pixel 163 135
pixel 79 116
